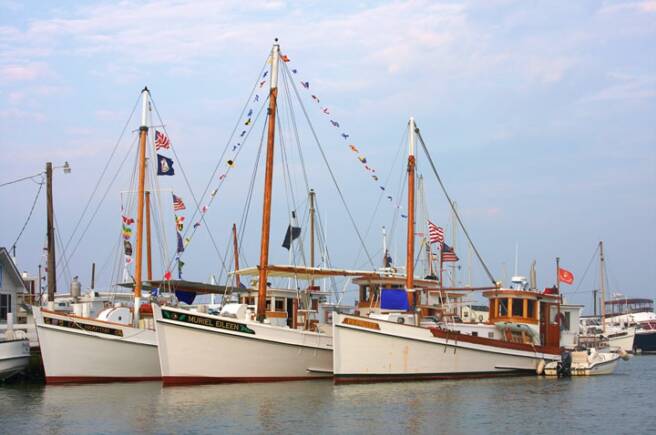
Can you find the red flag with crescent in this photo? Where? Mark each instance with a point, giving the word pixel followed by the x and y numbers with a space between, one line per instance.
pixel 565 276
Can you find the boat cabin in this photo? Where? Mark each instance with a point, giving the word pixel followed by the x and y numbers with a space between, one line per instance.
pixel 526 316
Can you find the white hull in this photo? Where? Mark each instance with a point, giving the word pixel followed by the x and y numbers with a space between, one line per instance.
pixel 14 357
pixel 368 350
pixel 76 349
pixel 221 349
pixel 622 341
pixel 588 363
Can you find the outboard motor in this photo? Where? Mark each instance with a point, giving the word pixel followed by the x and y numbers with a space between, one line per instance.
pixel 565 365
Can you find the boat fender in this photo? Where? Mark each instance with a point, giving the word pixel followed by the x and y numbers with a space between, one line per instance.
pixel 624 354
pixel 565 367
pixel 540 368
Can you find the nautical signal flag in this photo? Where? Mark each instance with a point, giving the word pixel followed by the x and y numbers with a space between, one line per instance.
pixel 164 165
pixel 127 220
pixel 565 276
pixel 177 203
pixel 292 234
pixel 180 244
pixel 161 141
pixel 448 254
pixel 435 233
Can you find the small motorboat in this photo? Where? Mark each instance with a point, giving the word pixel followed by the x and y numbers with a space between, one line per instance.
pixel 586 363
pixel 14 353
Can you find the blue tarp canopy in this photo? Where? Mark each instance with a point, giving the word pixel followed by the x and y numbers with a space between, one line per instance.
pixel 393 299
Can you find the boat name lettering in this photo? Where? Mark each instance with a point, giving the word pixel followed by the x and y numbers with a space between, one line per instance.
pixel 84 326
pixel 361 323
pixel 204 321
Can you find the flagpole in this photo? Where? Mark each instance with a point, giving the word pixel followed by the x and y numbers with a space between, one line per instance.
pixel 268 181
pixel 409 267
pixel 143 133
pixel 558 274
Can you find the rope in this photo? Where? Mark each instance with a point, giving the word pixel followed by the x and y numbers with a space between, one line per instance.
pixel 594 254
pixel 330 171
pixel 455 212
pixel 95 188
pixel 29 216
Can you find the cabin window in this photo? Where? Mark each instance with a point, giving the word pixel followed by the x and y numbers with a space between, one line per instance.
pixel 503 307
pixel 530 312
pixel 566 321
pixel 5 307
pixel 518 307
pixel 280 305
pixel 553 314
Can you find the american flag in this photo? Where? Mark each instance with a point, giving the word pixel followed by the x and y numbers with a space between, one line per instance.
pixel 161 141
pixel 448 254
pixel 177 203
pixel 435 233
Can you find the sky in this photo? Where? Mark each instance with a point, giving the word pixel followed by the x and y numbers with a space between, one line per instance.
pixel 539 116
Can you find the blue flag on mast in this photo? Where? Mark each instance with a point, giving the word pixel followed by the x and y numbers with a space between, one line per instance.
pixel 164 165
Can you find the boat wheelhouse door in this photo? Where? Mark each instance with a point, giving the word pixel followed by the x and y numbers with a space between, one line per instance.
pixel 549 326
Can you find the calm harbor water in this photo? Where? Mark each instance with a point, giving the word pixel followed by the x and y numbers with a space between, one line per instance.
pixel 620 403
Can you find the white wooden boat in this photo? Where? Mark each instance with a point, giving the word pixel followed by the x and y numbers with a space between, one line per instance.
pixel 234 347
pixel 77 349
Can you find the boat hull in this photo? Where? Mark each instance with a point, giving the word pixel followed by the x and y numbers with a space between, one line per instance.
pixel 14 357
pixel 76 350
pixel 624 340
pixel 214 349
pixel 645 341
pixel 367 350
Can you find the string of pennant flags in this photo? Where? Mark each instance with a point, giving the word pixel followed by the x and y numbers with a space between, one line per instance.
pixel 360 156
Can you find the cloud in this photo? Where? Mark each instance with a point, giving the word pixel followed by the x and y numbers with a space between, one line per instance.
pixel 648 6
pixel 23 72
pixel 626 87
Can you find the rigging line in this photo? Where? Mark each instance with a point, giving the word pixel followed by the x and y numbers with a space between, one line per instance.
pixel 102 176
pixel 287 176
pixel 108 258
pixel 221 182
pixel 196 203
pixel 332 175
pixel 29 216
pixel 23 179
pixel 381 195
pixel 455 212
pixel 249 197
pixel 66 271
pixel 290 106
pixel 234 130
pixel 70 255
pixel 594 254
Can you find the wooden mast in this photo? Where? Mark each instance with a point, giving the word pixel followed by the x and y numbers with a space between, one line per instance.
pixel 268 180
pixel 235 248
pixel 149 257
pixel 409 260
pixel 143 133
pixel 603 286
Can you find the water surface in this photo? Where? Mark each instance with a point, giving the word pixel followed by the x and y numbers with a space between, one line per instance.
pixel 620 403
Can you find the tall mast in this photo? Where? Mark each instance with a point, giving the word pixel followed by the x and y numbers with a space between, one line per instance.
pixel 409 259
pixel 52 268
pixel 143 134
pixel 149 256
pixel 235 248
pixel 603 286
pixel 311 231
pixel 268 180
